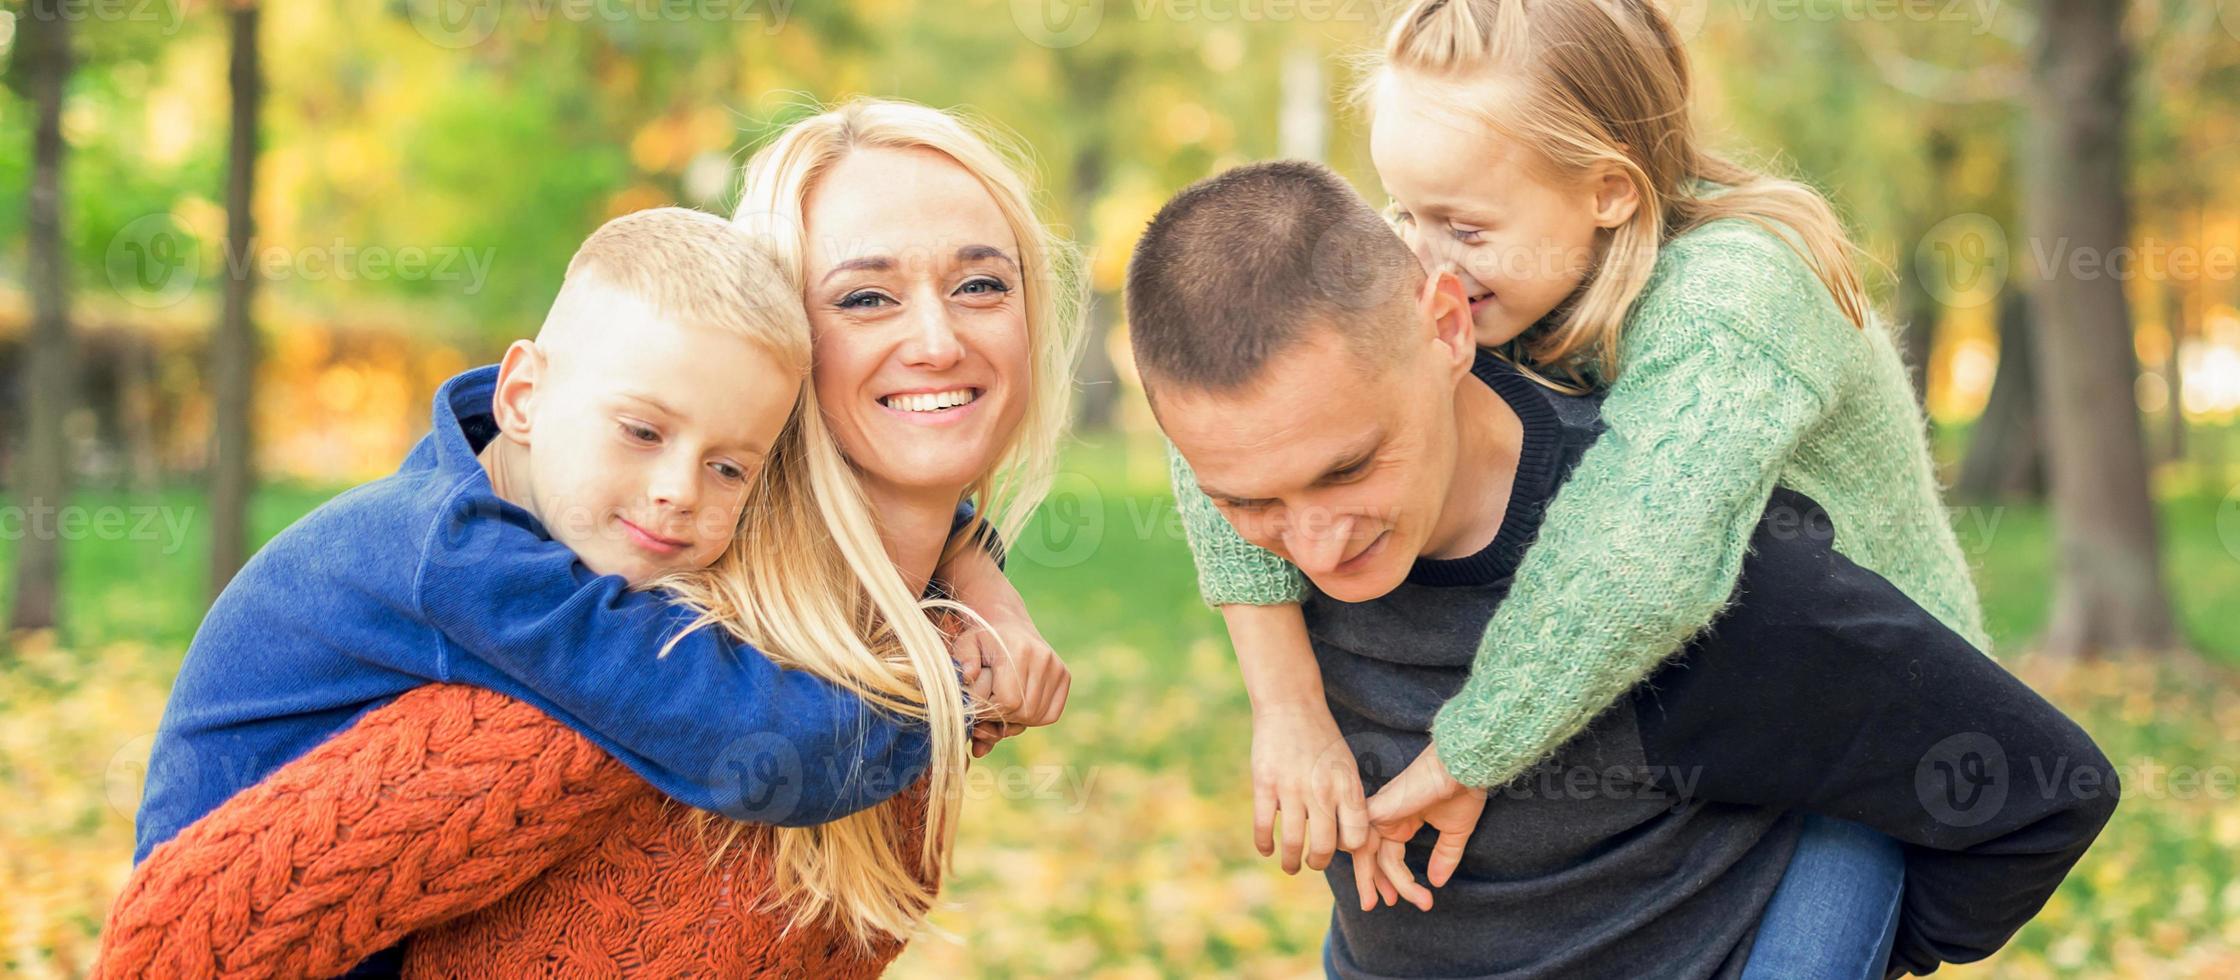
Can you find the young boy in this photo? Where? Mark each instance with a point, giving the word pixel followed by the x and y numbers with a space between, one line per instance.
pixel 508 549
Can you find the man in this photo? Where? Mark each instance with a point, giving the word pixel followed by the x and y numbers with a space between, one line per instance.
pixel 1329 397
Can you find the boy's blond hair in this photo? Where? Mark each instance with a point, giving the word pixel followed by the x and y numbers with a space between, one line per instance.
pixel 697 270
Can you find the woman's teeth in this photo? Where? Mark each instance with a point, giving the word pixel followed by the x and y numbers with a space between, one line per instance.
pixel 930 402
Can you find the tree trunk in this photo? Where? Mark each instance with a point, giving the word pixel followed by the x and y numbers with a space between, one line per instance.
pixel 2006 457
pixel 2108 592
pixel 2173 370
pixel 233 348
pixel 49 371
pixel 1098 378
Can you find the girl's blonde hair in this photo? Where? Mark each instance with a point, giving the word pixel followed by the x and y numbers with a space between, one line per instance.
pixel 1594 82
pixel 809 580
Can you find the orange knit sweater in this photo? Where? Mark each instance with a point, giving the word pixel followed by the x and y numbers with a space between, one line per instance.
pixel 503 842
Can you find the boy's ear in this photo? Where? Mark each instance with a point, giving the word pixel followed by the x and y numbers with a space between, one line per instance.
pixel 515 401
pixel 1447 308
pixel 1615 196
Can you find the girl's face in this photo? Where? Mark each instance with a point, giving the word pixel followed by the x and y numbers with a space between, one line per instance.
pixel 1472 200
pixel 914 292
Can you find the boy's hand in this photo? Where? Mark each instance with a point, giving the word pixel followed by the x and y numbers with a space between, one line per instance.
pixel 1026 684
pixel 1425 792
pixel 1303 770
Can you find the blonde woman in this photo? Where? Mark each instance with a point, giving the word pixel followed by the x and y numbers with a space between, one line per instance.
pixel 945 319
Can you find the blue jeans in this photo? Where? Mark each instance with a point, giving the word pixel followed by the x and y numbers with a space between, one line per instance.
pixel 1835 913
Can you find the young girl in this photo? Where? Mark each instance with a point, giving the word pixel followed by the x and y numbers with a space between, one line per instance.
pixel 1542 148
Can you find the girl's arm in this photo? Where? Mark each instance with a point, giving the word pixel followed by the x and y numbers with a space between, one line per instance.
pixel 1302 770
pixel 430 807
pixel 1738 353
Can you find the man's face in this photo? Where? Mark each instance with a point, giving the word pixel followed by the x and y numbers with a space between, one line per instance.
pixel 1338 466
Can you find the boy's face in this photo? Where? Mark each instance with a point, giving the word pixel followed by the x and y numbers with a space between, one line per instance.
pixel 642 435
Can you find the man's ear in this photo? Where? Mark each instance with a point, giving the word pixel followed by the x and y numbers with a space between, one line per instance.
pixel 1616 197
pixel 1447 308
pixel 515 402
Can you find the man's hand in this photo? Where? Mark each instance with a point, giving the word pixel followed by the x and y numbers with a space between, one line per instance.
pixel 1423 793
pixel 1303 771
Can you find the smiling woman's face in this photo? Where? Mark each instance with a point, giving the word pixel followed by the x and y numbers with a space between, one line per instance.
pixel 915 295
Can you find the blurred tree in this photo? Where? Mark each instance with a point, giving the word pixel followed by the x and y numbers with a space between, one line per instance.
pixel 2006 457
pixel 2108 593
pixel 41 71
pixel 233 346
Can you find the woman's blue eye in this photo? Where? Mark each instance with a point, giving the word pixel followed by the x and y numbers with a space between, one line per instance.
pixel 861 300
pixel 990 283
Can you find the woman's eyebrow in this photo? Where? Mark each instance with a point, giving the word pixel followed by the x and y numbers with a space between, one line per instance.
pixel 873 263
pixel 974 253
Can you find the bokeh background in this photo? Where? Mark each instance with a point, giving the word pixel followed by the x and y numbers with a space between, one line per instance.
pixel 240 245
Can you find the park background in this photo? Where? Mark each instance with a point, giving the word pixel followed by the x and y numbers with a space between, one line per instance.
pixel 2051 187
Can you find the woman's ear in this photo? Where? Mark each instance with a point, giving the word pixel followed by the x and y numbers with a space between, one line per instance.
pixel 1616 197
pixel 515 401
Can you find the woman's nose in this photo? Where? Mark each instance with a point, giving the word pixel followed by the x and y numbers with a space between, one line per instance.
pixel 933 340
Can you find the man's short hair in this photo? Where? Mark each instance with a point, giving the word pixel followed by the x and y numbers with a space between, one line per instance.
pixel 1239 267
pixel 693 268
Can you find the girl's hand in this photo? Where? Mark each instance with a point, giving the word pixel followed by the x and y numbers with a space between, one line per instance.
pixel 1425 792
pixel 1303 770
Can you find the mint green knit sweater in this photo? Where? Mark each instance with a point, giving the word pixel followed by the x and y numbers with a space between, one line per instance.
pixel 1736 372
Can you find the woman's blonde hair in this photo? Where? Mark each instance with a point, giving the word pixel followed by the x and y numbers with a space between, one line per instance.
pixel 809 579
pixel 1594 82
